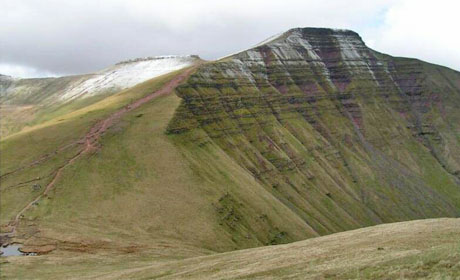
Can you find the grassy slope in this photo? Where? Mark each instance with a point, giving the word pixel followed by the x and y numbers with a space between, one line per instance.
pixel 35 102
pixel 141 189
pixel 199 188
pixel 410 250
pixel 248 179
pixel 24 147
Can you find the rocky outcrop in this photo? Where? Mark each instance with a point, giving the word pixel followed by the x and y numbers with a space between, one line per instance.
pixel 341 134
pixel 38 250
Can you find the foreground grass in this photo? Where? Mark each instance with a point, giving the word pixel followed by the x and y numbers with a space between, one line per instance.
pixel 408 250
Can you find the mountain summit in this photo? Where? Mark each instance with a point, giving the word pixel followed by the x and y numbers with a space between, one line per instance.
pixel 340 134
pixel 306 134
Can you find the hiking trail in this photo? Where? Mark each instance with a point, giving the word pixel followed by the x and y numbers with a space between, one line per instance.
pixel 91 140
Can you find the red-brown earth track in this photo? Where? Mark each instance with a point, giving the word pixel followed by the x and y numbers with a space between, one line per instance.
pixel 91 140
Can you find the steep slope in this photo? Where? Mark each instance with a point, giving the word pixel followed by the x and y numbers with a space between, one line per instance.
pixel 32 101
pixel 161 200
pixel 307 134
pixel 342 135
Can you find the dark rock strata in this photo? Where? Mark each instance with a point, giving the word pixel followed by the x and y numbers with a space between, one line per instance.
pixel 342 135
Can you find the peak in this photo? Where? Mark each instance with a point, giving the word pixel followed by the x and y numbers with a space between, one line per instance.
pixel 161 57
pixel 319 43
pixel 314 39
pixel 311 33
pixel 318 31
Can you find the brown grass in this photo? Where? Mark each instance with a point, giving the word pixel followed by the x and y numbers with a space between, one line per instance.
pixel 416 249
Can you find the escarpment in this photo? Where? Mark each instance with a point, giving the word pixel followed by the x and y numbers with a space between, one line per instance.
pixel 342 135
pixel 306 134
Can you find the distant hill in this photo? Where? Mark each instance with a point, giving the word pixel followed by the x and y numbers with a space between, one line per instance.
pixel 29 101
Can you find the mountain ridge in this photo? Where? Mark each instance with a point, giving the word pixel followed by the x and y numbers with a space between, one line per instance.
pixel 39 97
pixel 238 101
pixel 308 134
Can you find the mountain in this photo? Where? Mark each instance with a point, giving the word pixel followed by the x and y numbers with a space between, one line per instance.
pixel 340 134
pixel 40 97
pixel 307 134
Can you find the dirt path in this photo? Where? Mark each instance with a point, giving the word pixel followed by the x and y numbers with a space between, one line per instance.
pixel 92 137
pixel 41 159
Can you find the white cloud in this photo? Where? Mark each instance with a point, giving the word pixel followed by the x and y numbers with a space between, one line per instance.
pixel 85 35
pixel 423 29
pixel 21 71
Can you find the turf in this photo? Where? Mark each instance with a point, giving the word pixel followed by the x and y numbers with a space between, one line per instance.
pixel 422 249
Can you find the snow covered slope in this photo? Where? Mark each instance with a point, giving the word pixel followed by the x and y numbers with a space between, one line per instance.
pixel 127 74
pixel 23 101
pixel 16 91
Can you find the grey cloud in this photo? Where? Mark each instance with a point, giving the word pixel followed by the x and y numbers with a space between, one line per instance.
pixel 69 37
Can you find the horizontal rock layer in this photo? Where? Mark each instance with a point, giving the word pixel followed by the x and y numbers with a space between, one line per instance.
pixel 342 135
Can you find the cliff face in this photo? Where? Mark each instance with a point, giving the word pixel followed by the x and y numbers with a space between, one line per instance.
pixel 306 134
pixel 342 135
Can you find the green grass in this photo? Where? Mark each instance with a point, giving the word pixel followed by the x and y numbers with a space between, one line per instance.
pixel 143 187
pixel 24 147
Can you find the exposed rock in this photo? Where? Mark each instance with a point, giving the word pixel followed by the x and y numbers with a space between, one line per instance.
pixel 318 103
pixel 38 249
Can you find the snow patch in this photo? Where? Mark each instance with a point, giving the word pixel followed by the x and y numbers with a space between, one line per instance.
pixel 245 71
pixel 126 74
pixel 264 42
pixel 347 47
pixel 352 57
pixel 296 37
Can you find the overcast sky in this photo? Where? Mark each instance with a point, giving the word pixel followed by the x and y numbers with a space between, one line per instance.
pixel 56 37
